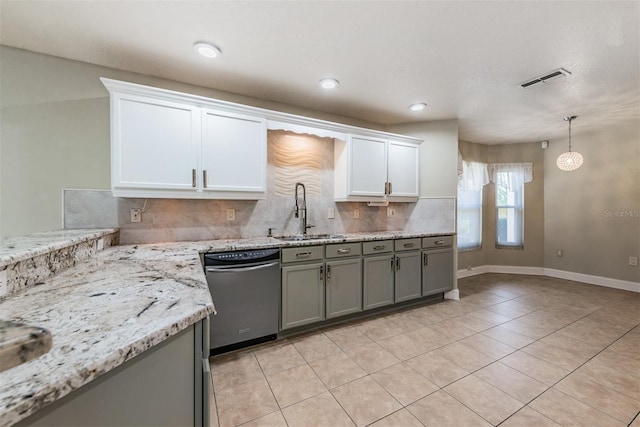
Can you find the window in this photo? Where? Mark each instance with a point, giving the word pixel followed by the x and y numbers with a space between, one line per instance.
pixel 474 177
pixel 509 179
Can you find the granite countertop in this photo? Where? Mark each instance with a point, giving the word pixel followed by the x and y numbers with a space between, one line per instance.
pixel 115 306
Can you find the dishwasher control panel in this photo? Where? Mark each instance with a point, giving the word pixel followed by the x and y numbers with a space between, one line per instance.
pixel 241 257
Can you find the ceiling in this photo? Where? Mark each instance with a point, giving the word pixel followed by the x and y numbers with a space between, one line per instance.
pixel 465 59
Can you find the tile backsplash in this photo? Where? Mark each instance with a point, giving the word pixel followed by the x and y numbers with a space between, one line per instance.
pixel 166 220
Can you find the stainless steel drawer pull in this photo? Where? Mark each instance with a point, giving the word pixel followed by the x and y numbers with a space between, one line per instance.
pixel 204 179
pixel 303 254
pixel 425 259
pixel 408 245
pixel 344 251
pixel 378 247
pixel 439 242
pixel 193 178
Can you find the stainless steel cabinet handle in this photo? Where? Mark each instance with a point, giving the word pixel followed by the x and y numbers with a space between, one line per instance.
pixel 378 247
pixel 439 242
pixel 236 269
pixel 397 263
pixel 204 178
pixel 193 178
pixel 392 264
pixel 303 254
pixel 328 273
pixel 408 245
pixel 390 188
pixel 321 273
pixel 344 251
pixel 425 259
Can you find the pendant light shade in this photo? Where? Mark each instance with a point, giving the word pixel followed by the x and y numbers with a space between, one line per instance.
pixel 570 160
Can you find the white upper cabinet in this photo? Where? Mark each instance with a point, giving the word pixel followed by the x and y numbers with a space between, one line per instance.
pixel 154 144
pixel 234 152
pixel 170 145
pixel 403 169
pixel 376 169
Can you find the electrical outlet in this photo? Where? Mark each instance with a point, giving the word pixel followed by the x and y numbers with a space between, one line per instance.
pixel 391 212
pixel 136 215
pixel 633 260
pixel 231 214
pixel 559 253
pixel 331 213
pixel 356 213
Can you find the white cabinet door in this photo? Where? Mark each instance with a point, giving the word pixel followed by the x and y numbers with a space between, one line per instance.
pixel 154 144
pixel 234 152
pixel 368 171
pixel 403 162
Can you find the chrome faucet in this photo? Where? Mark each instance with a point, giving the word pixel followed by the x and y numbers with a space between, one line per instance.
pixel 300 211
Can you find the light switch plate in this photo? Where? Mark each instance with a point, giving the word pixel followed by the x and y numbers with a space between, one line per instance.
pixel 633 260
pixel 231 214
pixel 356 213
pixel 331 213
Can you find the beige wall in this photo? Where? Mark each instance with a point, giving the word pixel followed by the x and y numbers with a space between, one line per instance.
pixel 532 255
pixel 54 132
pixel 593 213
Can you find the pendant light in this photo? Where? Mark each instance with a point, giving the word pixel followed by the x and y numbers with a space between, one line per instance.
pixel 570 160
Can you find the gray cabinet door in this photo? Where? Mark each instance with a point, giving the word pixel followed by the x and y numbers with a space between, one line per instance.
pixel 408 284
pixel 302 295
pixel 344 287
pixel 437 271
pixel 378 281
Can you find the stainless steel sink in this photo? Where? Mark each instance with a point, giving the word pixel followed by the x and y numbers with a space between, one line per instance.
pixel 306 237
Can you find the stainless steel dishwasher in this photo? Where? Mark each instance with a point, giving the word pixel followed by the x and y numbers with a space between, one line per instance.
pixel 245 286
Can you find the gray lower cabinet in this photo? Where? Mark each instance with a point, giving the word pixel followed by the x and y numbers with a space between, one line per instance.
pixel 167 385
pixel 437 271
pixel 343 287
pixel 302 294
pixel 408 284
pixel 378 272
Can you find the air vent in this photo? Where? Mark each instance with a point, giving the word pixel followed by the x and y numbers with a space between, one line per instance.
pixel 546 77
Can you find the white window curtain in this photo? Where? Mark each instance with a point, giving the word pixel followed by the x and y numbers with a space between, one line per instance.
pixel 470 183
pixel 509 179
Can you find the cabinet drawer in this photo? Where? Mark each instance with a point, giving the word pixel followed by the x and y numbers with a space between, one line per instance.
pixel 303 253
pixel 437 242
pixel 342 250
pixel 377 247
pixel 406 244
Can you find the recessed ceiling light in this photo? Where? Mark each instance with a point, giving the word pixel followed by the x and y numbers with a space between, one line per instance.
pixel 329 83
pixel 207 50
pixel 418 107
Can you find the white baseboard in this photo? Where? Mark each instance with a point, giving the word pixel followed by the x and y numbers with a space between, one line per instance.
pixel 560 274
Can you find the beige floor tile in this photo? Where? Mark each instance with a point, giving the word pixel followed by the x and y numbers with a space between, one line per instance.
pixel 424 316
pixel 612 377
pixel 475 323
pixel 536 368
pixel 484 399
pixel 314 347
pixel 428 338
pixel 294 385
pixel 453 329
pixel 365 400
pixel 627 346
pixel 566 410
pixel 402 418
pixel 463 356
pixel 274 419
pixel 529 327
pixel 621 361
pixel 527 417
pixel 599 397
pixel 555 355
pixel 234 369
pixel 380 329
pixel 404 383
pixel 572 345
pixel 346 338
pixel 437 369
pixel 511 381
pixel 403 346
pixel 508 337
pixel 404 321
pixel 439 409
pixel 278 357
pixel 490 316
pixel 636 421
pixel 512 308
pixel 372 357
pixel 245 402
pixel 487 346
pixel 319 411
pixel 337 370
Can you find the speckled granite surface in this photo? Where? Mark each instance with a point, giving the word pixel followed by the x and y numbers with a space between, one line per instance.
pixel 21 343
pixel 113 307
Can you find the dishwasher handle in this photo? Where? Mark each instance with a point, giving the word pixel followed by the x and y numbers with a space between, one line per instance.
pixel 240 269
